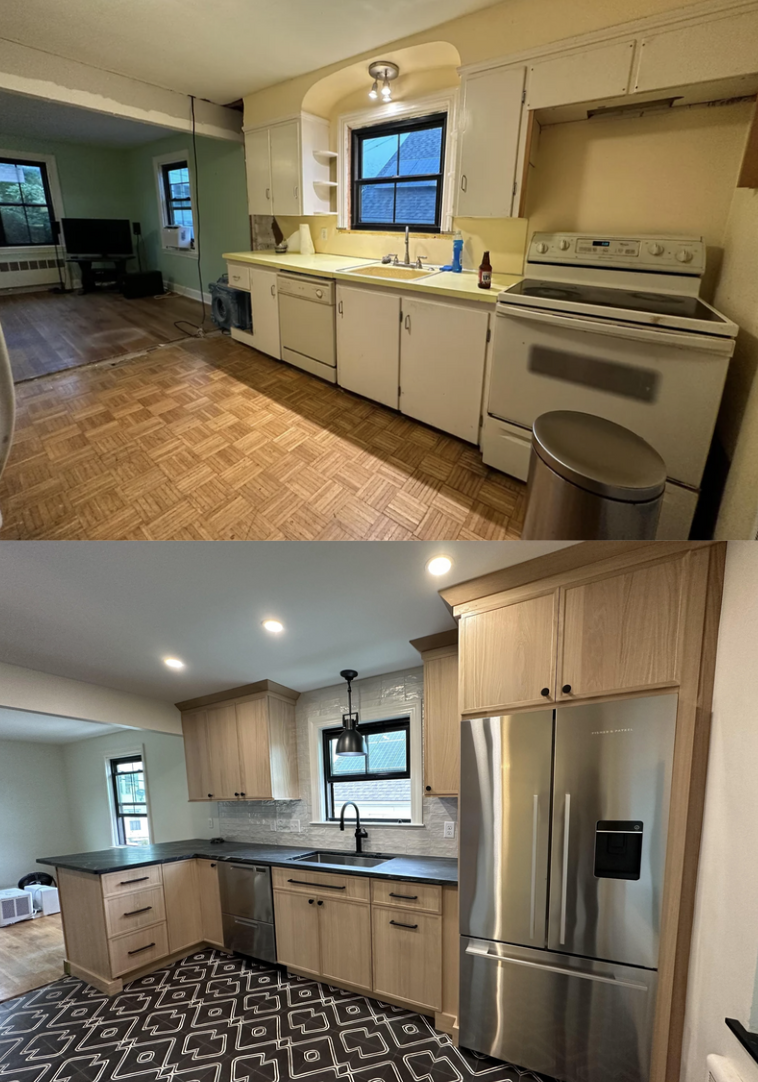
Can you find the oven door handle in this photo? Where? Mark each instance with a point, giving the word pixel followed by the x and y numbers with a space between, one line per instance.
pixel 659 335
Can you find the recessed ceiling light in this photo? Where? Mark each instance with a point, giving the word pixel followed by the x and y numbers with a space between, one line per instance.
pixel 439 565
pixel 173 662
pixel 274 626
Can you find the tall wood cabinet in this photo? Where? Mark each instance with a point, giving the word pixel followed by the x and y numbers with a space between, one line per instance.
pixel 441 715
pixel 241 744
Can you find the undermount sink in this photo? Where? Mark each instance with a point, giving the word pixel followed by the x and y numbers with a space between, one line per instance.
pixel 355 860
pixel 388 270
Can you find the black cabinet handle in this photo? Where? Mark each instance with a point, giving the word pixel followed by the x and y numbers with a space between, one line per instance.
pixel 213 865
pixel 140 949
pixel 566 689
pixel 210 794
pixel 321 886
pixel 134 912
pixel 319 903
pixel 405 897
pixel 399 925
pixel 236 794
pixel 428 788
pixel 242 794
pixel 310 901
pixel 126 882
pixel 545 692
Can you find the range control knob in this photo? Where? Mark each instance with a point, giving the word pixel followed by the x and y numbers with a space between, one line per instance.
pixel 655 249
pixel 684 255
pixel 564 244
pixel 541 247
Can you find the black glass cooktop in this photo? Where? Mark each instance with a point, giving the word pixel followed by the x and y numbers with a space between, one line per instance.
pixel 663 304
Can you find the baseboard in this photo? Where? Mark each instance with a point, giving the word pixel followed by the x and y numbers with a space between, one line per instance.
pixel 185 291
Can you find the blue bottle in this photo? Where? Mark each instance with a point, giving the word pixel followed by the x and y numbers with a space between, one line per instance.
pixel 457 254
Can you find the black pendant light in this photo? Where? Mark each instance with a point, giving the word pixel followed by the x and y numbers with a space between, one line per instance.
pixel 350 740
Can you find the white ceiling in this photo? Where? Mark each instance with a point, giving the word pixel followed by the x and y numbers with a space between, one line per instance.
pixel 220 50
pixel 46 729
pixel 108 612
pixel 37 118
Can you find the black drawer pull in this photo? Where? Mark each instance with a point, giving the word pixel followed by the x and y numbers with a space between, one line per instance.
pixel 134 912
pixel 305 883
pixel 140 949
pixel 399 925
pixel 126 882
pixel 405 897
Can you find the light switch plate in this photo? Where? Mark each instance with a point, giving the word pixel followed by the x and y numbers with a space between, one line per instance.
pixel 448 830
pixel 323 234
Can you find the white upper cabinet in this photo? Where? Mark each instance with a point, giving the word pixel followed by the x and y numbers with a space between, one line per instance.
pixel 368 343
pixel 491 109
pixel 590 74
pixel 287 171
pixel 719 48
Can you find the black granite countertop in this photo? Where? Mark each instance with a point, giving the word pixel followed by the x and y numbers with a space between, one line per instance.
pixel 440 870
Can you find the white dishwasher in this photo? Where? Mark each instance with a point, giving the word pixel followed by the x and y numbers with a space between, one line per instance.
pixel 306 322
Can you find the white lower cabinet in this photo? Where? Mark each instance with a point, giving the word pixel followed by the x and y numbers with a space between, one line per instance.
pixel 265 307
pixel 368 343
pixel 442 355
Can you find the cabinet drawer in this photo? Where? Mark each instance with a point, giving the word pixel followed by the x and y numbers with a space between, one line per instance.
pixel 325 884
pixel 138 949
pixel 407 956
pixel 131 879
pixel 136 910
pixel 239 275
pixel 426 896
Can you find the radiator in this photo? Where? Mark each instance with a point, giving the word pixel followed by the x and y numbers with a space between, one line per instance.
pixel 721 1070
pixel 15 273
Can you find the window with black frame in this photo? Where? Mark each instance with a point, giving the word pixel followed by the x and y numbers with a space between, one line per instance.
pixel 177 194
pixel 26 205
pixel 130 800
pixel 379 782
pixel 397 175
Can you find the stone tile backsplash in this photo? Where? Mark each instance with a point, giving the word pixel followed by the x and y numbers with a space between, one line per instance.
pixel 271 820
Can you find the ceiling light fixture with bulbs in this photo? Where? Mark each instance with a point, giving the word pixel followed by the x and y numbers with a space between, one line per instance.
pixel 274 626
pixel 173 662
pixel 439 565
pixel 383 72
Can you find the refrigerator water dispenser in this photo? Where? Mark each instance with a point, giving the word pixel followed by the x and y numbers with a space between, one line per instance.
pixel 618 849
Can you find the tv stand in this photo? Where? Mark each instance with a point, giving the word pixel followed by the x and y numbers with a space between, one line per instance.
pixel 94 276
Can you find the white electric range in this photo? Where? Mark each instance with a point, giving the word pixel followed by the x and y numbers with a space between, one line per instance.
pixel 612 326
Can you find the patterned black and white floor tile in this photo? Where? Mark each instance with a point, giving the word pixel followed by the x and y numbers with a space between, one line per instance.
pixel 214 1017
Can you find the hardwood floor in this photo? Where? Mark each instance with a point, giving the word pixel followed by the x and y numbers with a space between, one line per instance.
pixel 31 955
pixel 212 440
pixel 46 332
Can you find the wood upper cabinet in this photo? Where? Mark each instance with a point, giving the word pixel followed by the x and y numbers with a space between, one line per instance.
pixel 623 632
pixel 345 940
pixel 209 897
pixel 442 722
pixel 182 900
pixel 297 939
pixel 507 655
pixel 243 748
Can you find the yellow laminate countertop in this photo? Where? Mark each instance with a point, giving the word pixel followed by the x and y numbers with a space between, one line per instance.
pixel 346 269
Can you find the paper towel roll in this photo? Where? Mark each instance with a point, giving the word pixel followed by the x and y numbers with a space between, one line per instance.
pixel 306 240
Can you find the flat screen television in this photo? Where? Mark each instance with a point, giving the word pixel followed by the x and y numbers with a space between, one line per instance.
pixel 97 237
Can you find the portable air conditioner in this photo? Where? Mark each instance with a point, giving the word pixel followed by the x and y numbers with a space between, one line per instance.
pixel 15 905
pixel 44 899
pixel 176 236
pixel 721 1070
pixel 230 307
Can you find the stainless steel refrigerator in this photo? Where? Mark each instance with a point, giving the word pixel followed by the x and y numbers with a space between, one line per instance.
pixel 563 825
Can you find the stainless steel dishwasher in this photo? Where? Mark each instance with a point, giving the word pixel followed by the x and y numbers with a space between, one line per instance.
pixel 306 323
pixel 247 909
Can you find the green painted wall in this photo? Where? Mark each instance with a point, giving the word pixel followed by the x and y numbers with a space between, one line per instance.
pixel 222 196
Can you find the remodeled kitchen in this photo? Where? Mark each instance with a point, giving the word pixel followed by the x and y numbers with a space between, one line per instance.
pixel 488 857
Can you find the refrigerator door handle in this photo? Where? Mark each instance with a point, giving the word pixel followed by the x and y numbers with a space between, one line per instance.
pixel 564 880
pixel 535 822
pixel 480 952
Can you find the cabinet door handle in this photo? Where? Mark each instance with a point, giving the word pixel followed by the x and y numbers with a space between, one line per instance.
pixel 236 794
pixel 273 291
pixel 340 308
pixel 405 897
pixel 268 193
pixel 310 901
pixel 126 882
pixel 296 189
pixel 140 949
pixel 134 912
pixel 210 794
pixel 242 794
pixel 213 865
pixel 428 788
pixel 397 924
pixel 408 324
pixel 545 692
pixel 566 689
pixel 464 182
pixel 324 886
pixel 319 903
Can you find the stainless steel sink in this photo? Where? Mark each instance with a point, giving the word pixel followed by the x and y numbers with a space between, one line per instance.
pixel 355 860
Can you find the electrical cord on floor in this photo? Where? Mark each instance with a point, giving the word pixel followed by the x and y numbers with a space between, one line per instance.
pixel 198 330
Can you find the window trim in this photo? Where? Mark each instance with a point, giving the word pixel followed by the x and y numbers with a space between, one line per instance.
pixel 412 710
pixel 126 753
pixel 357 137
pixel 328 779
pixel 163 215
pixel 55 195
pixel 445 101
pixel 49 205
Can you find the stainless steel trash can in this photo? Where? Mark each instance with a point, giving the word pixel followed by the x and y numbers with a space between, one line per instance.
pixel 591 479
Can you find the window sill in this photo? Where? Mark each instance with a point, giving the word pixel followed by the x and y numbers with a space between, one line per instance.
pixel 382 826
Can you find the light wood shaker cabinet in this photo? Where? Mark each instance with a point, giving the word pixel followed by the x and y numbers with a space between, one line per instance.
pixel 622 633
pixel 507 655
pixel 345 939
pixel 441 722
pixel 297 939
pixel 408 956
pixel 209 897
pixel 183 916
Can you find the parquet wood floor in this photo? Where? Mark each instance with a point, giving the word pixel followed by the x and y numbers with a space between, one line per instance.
pixel 47 332
pixel 212 440
pixel 31 955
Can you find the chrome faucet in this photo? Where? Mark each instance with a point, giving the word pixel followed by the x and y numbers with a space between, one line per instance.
pixel 407 248
pixel 360 833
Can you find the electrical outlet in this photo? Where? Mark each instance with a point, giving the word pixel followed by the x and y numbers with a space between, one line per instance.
pixel 210 822
pixel 288 826
pixel 324 234
pixel 449 830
